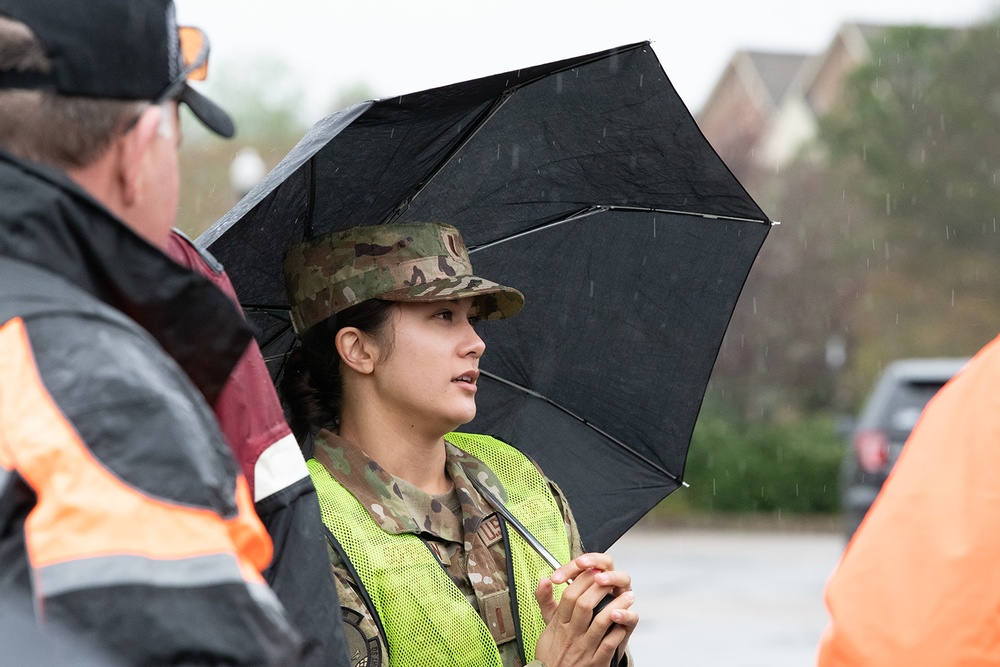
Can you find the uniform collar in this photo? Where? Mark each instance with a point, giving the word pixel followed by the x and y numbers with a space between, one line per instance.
pixel 397 506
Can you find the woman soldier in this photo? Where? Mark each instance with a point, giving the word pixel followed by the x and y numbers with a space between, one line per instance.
pixel 428 574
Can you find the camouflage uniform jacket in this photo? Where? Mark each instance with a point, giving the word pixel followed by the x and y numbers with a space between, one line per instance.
pixel 467 541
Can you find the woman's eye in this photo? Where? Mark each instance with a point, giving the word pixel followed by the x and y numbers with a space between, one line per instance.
pixel 444 315
pixel 474 320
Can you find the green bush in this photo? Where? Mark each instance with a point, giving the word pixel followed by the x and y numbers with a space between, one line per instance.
pixel 764 467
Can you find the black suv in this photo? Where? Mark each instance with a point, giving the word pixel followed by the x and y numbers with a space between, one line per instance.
pixel 885 422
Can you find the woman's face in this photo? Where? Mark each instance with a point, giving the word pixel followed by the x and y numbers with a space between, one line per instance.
pixel 431 370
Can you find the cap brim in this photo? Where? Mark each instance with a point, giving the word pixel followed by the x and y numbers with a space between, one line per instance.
pixel 208 112
pixel 496 301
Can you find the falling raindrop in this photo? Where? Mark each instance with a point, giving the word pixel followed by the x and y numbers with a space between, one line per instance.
pixel 755 305
pixel 591 289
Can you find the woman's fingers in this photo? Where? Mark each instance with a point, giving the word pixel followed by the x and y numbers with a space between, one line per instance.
pixel 576 606
pixel 619 621
pixel 616 579
pixel 546 600
pixel 619 612
pixel 574 635
pixel 580 564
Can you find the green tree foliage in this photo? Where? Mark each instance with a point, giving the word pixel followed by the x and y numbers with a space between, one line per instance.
pixel 920 125
pixel 923 117
pixel 762 467
pixel 889 243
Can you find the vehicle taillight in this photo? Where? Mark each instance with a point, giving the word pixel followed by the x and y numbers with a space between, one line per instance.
pixel 872 449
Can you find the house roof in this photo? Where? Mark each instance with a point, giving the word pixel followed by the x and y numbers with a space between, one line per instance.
pixel 777 71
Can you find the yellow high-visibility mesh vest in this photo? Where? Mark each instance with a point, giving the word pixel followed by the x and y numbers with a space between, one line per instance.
pixel 426 618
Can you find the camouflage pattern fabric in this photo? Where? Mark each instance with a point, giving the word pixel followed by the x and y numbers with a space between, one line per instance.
pixel 468 543
pixel 400 262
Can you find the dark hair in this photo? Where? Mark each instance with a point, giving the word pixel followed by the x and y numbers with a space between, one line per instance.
pixel 311 386
pixel 46 127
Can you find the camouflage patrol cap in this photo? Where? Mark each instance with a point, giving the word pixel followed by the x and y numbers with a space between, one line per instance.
pixel 417 261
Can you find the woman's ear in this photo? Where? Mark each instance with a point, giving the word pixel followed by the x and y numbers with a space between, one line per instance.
pixel 356 350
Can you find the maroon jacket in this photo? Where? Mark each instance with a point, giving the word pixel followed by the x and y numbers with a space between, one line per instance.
pixel 251 418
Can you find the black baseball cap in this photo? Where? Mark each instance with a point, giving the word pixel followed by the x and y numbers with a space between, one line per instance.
pixel 117 49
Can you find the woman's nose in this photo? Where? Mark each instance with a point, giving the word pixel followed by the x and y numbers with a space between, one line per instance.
pixel 475 345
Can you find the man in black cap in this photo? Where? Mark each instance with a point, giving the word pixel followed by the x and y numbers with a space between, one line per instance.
pixel 123 517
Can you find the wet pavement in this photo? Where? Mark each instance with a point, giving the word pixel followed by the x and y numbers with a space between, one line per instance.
pixel 732 598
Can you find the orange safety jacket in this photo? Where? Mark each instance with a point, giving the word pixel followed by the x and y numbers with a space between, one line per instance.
pixel 919 583
pixel 123 518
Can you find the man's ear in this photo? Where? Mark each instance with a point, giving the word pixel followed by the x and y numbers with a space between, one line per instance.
pixel 133 148
pixel 356 350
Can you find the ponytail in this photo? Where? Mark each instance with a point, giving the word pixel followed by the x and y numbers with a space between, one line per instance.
pixel 311 386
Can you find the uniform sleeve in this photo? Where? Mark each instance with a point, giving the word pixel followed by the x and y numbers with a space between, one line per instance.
pixel 143 533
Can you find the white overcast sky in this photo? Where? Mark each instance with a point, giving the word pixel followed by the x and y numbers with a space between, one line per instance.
pixel 402 46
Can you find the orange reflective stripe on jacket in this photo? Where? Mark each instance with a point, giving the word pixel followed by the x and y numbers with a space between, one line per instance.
pixel 84 511
pixel 919 584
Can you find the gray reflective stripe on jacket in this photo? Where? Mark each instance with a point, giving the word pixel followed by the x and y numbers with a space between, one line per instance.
pixel 126 570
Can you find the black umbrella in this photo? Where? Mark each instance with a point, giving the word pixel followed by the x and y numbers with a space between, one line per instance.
pixel 586 184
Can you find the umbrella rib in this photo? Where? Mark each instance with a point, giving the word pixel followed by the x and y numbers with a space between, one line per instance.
pixel 593 210
pixel 473 131
pixel 586 423
pixel 479 124
pixel 279 312
pixel 276 336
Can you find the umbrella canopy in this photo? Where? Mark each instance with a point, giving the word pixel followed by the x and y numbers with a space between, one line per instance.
pixel 586 184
